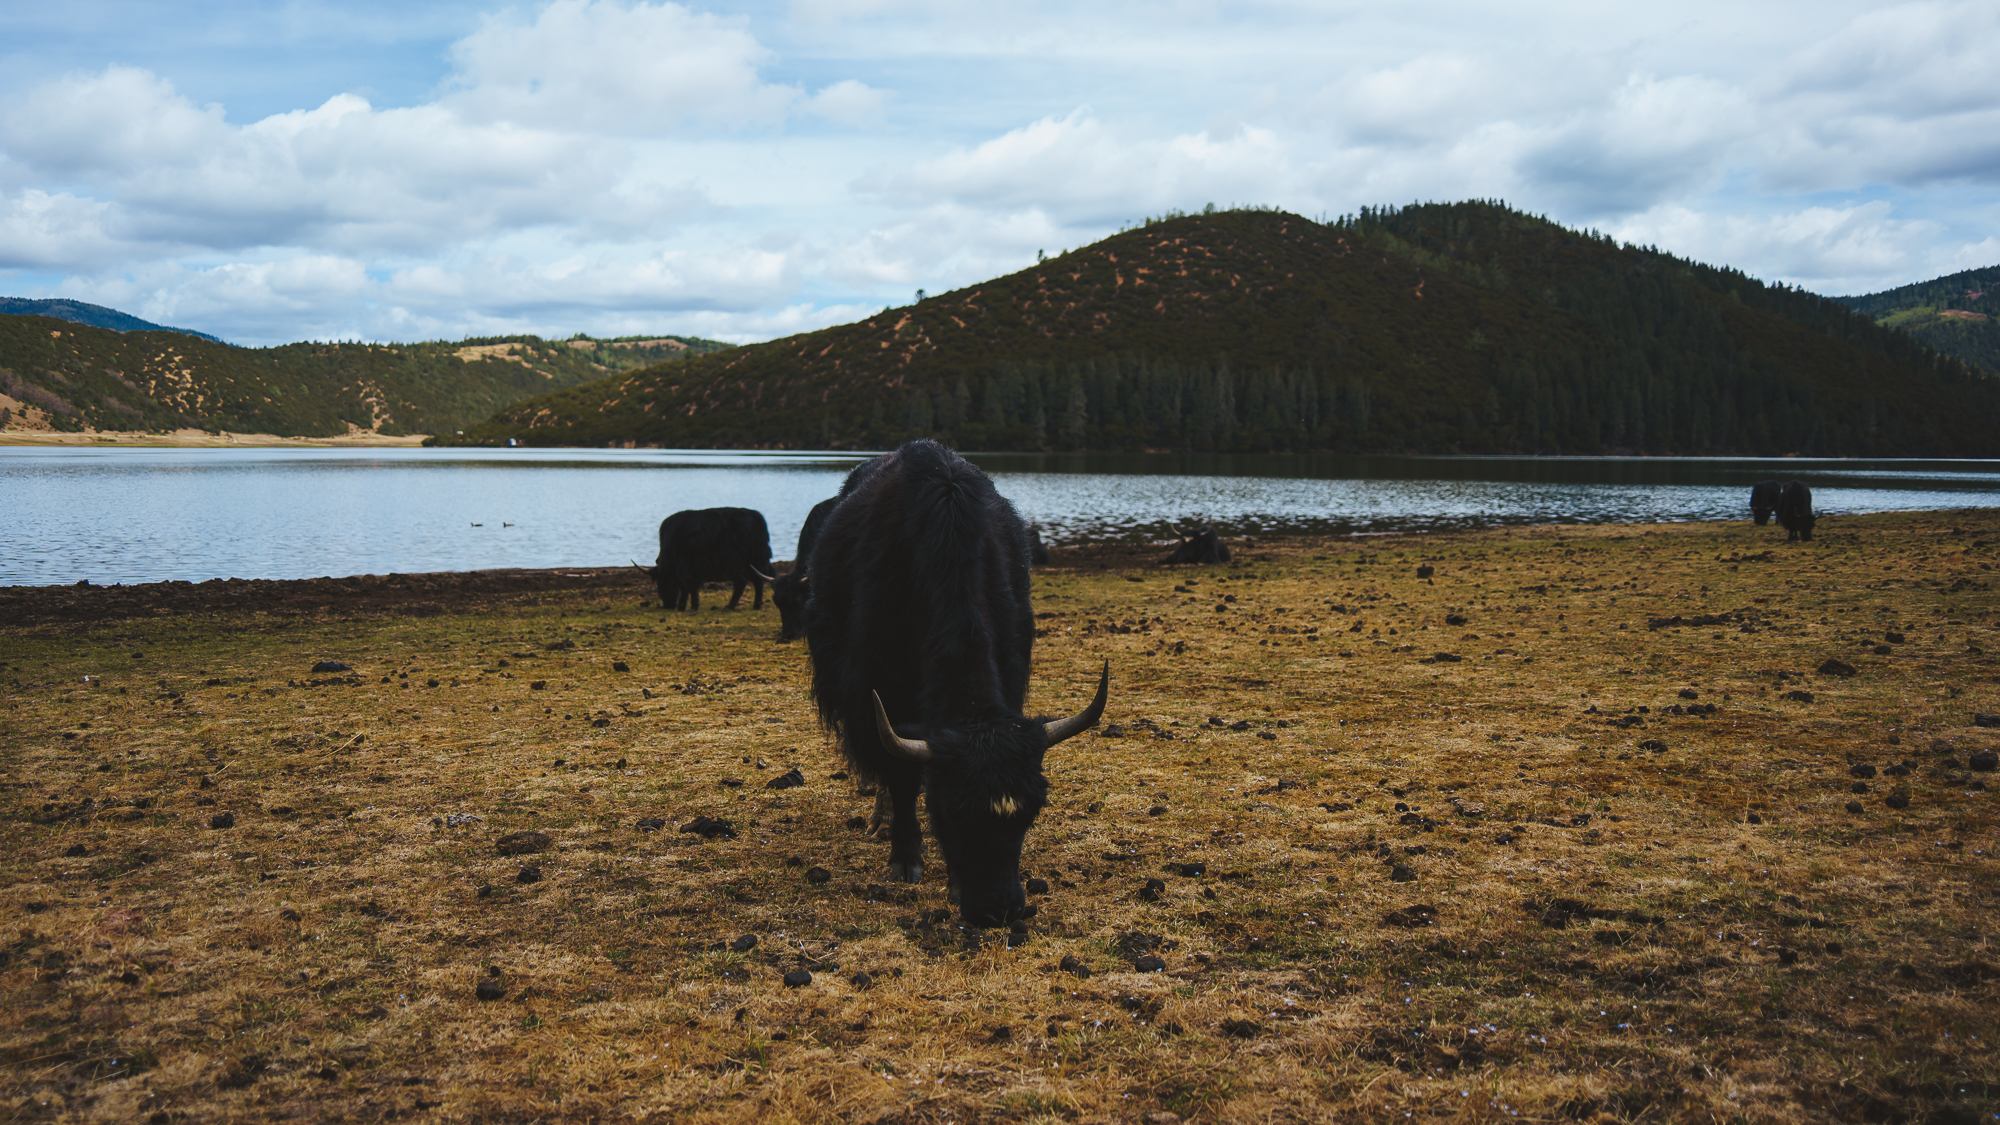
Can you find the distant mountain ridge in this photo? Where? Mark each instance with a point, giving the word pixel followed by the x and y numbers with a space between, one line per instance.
pixel 1958 314
pixel 58 374
pixel 1437 328
pixel 97 316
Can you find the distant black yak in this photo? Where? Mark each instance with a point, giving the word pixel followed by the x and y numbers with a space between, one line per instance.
pixel 1201 547
pixel 711 545
pixel 1037 553
pixel 921 631
pixel 1764 500
pixel 789 591
pixel 1795 512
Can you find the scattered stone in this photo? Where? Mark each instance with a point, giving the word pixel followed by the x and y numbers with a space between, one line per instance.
pixel 1448 658
pixel 1858 787
pixel 488 990
pixel 486 891
pixel 709 828
pixel 1985 760
pixel 1906 971
pixel 1150 964
pixel 1984 720
pixel 1038 886
pixel 1401 874
pixel 1190 870
pixel 862 981
pixel 1855 807
pixel 331 666
pixel 1883 650
pixel 1861 770
pixel 650 824
pixel 1788 956
pixel 1426 571
pixel 744 944
pixel 620 666
pixel 222 820
pixel 798 978
pixel 522 843
pixel 1251 1029
pixel 1799 695
pixel 538 685
pixel 1897 800
pixel 1656 745
pixel 1161 810
pixel 790 780
pixel 1075 967
pixel 1836 668
pixel 1753 818
pixel 818 875
pixel 1689 693
pixel 1153 891
pixel 529 875
pixel 1834 948
pixel 76 851
pixel 1454 619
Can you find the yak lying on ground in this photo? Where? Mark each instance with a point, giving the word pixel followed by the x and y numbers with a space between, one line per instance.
pixel 789 591
pixel 1764 500
pixel 1204 546
pixel 1795 512
pixel 710 545
pixel 1038 553
pixel 921 629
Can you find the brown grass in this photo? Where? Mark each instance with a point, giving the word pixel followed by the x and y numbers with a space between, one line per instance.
pixel 318 960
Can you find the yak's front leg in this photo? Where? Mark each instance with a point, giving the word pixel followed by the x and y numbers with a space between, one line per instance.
pixel 906 834
pixel 882 821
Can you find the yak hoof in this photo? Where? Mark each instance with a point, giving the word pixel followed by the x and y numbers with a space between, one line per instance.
pixel 907 872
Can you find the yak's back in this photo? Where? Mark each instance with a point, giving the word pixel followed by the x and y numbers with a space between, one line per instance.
pixel 920 592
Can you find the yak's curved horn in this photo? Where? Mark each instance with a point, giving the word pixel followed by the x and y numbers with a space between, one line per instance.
pixel 912 748
pixel 1083 720
pixel 761 574
pixel 641 569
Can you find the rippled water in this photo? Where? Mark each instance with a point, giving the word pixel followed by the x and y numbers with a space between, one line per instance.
pixel 141 515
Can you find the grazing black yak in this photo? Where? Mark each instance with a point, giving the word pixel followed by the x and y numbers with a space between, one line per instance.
pixel 710 545
pixel 921 629
pixel 1795 512
pixel 1764 500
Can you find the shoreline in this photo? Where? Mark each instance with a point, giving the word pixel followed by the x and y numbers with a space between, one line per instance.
pixel 205 439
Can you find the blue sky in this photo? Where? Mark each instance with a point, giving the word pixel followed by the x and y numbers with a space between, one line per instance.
pixel 309 170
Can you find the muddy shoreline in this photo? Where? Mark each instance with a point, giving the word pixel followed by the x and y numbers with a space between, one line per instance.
pixel 421 595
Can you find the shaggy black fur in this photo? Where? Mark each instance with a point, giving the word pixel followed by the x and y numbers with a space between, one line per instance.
pixel 1795 512
pixel 710 545
pixel 1204 546
pixel 920 592
pixel 1764 500
pixel 790 591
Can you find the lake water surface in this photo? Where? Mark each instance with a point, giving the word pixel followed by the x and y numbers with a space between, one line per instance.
pixel 146 515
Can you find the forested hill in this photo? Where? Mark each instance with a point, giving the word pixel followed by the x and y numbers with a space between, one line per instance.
pixel 1438 328
pixel 79 312
pixel 59 375
pixel 1958 314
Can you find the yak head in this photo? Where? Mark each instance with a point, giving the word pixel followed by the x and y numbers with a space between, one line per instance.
pixel 657 576
pixel 789 593
pixel 983 787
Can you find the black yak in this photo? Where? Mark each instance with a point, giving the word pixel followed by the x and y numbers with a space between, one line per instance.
pixel 1204 546
pixel 789 591
pixel 1764 500
pixel 710 545
pixel 1795 512
pixel 920 630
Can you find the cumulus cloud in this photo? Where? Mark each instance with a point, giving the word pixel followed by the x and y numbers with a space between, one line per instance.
pixel 592 164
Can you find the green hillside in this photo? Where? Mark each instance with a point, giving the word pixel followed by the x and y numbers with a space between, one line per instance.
pixel 1958 314
pixel 56 374
pixel 1438 328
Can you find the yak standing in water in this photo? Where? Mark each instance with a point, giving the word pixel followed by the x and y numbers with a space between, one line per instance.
pixel 1764 500
pixel 921 630
pixel 1795 512
pixel 790 591
pixel 710 545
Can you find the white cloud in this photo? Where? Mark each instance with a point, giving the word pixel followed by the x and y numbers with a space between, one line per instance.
pixel 588 164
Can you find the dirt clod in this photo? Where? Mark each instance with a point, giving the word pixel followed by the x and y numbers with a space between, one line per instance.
pixel 522 843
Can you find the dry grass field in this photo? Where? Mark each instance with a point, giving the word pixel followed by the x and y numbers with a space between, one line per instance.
pixel 1568 829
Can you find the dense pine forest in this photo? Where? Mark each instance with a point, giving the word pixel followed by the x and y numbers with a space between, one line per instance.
pixel 1460 328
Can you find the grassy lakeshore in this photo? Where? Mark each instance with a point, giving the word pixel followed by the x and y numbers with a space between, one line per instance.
pixel 1468 846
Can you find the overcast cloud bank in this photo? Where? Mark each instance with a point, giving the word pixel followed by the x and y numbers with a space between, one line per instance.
pixel 744 173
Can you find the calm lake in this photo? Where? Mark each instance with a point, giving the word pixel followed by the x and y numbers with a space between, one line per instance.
pixel 145 515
